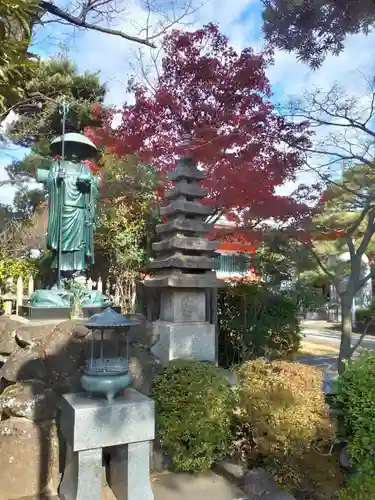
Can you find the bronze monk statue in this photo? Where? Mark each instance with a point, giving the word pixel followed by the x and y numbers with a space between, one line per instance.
pixel 73 192
pixel 72 197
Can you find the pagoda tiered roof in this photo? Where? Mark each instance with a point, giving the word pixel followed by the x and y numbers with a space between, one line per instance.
pixel 185 256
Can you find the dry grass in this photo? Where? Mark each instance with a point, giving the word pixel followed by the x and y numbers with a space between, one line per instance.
pixel 311 349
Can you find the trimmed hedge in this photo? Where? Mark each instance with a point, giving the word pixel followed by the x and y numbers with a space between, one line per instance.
pixel 357 400
pixel 194 407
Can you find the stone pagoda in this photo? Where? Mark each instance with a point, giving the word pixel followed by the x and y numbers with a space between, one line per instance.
pixel 184 267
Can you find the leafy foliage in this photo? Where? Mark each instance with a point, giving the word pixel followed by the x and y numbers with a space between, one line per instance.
pixel 254 322
pixel 357 398
pixel 40 117
pixel 15 33
pixel 361 487
pixel 366 314
pixel 15 268
pixel 126 220
pixel 223 99
pixel 126 211
pixel 194 405
pixel 40 120
pixel 281 413
pixel 315 28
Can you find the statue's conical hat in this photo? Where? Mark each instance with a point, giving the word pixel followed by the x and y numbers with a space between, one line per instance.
pixel 75 144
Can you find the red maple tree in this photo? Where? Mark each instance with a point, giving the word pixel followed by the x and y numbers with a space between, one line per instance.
pixel 223 99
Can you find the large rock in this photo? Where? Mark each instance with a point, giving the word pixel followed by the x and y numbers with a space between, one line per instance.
pixel 30 399
pixel 72 328
pixel 29 459
pixel 143 335
pixel 65 351
pixel 25 364
pixel 258 482
pixel 280 495
pixel 33 335
pixel 143 368
pixel 8 329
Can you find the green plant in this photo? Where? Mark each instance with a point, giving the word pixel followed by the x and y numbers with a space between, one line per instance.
pixel 17 267
pixel 254 322
pixel 194 405
pixel 363 314
pixel 281 414
pixel 366 314
pixel 357 400
pixel 77 293
pixel 361 487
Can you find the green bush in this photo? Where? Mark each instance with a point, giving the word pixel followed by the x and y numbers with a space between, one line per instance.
pixel 366 313
pixel 17 267
pixel 256 322
pixel 361 487
pixel 357 399
pixel 282 406
pixel 363 314
pixel 194 406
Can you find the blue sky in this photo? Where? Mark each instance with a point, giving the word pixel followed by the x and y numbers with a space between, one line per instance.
pixel 241 21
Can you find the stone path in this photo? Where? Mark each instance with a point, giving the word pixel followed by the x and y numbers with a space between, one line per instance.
pixel 172 486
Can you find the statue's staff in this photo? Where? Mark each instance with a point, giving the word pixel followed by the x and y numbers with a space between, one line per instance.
pixel 61 174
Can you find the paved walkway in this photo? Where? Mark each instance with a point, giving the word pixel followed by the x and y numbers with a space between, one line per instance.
pixel 172 486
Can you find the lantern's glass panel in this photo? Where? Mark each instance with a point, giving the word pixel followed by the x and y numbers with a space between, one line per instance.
pixel 106 346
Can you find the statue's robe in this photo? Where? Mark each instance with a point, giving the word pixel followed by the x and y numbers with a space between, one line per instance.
pixel 72 200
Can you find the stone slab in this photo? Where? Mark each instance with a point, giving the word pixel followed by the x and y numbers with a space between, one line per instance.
pixel 184 189
pixel 185 207
pixel 171 486
pixel 180 306
pixel 180 261
pixel 190 172
pixel 95 423
pixel 186 243
pixel 185 280
pixel 192 340
pixel 57 313
pixel 184 225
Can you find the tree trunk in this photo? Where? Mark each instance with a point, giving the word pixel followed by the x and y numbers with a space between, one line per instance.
pixel 346 333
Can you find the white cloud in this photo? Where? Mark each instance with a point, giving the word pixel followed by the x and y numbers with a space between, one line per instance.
pixel 293 77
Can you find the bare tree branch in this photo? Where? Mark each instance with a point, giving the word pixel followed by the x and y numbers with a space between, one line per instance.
pixel 98 15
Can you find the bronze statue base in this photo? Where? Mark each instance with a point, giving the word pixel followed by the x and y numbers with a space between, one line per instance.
pixel 44 313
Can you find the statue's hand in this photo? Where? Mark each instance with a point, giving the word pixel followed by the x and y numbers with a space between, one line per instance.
pixel 85 179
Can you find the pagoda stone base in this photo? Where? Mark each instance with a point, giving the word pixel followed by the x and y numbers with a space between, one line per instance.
pixel 185 340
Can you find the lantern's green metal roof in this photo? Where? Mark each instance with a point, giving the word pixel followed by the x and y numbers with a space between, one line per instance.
pixel 109 318
pixel 75 144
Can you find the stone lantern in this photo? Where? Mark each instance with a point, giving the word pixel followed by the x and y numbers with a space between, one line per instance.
pixel 107 369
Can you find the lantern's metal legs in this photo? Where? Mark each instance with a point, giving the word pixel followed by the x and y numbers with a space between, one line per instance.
pixel 82 475
pixel 129 471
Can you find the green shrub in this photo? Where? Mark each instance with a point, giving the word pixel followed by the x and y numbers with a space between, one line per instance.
pixel 256 322
pixel 16 268
pixel 361 487
pixel 357 399
pixel 363 314
pixel 282 410
pixel 194 406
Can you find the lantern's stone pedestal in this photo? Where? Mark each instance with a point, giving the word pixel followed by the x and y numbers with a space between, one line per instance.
pixel 124 428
